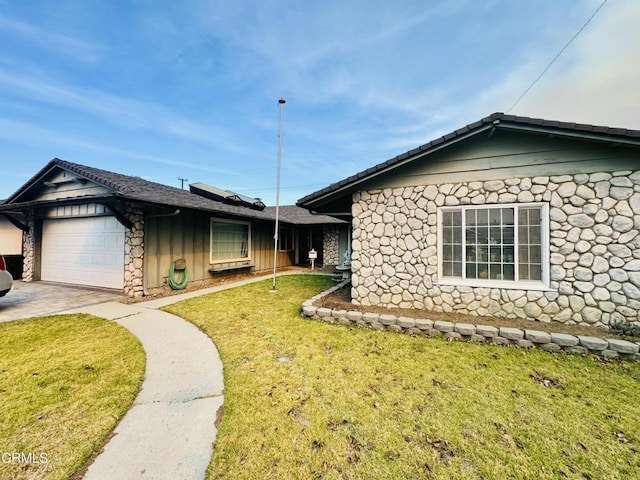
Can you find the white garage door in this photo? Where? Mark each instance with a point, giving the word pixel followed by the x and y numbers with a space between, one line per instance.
pixel 83 251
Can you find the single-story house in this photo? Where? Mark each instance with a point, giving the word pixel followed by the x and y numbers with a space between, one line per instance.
pixel 87 226
pixel 509 216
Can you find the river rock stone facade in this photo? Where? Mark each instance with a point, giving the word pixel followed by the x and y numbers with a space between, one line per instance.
pixel 331 247
pixel 594 251
pixel 134 253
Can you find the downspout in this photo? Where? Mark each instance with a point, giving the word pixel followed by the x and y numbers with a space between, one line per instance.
pixel 145 292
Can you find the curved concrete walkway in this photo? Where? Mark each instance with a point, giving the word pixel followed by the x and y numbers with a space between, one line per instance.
pixel 169 431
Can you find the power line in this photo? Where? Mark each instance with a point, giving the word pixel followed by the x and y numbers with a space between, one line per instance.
pixel 556 57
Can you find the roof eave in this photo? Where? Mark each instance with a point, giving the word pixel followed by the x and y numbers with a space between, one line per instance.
pixel 46 170
pixel 564 132
pixel 384 167
pixel 21 206
pixel 247 212
pixel 31 182
pixel 614 136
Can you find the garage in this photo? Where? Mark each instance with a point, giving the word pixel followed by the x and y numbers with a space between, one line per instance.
pixel 83 251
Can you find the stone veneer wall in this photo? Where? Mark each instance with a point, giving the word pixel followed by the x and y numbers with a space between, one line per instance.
pixel 28 249
pixel 331 246
pixel 594 248
pixel 134 253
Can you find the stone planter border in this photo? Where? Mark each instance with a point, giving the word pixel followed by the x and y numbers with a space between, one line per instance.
pixel 528 338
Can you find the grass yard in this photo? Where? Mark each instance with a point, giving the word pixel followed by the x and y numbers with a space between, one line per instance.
pixel 65 381
pixel 309 400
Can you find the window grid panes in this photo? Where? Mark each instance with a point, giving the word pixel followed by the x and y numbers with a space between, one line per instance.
pixel 452 243
pixel 529 244
pixel 489 243
pixel 480 243
pixel 229 241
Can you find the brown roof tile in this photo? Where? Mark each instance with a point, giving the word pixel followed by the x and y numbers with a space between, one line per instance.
pixel 145 191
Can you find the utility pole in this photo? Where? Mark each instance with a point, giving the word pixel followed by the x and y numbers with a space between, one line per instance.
pixel 282 101
pixel 182 180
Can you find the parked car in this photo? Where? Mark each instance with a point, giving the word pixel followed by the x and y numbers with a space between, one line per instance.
pixel 6 280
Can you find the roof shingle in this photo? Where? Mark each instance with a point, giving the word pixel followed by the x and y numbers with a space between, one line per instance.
pixel 145 191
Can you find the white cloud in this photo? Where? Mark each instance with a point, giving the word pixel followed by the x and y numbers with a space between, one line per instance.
pixel 51 41
pixel 27 133
pixel 331 51
pixel 594 81
pixel 364 80
pixel 121 112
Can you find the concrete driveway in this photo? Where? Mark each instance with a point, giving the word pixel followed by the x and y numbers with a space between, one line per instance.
pixel 35 299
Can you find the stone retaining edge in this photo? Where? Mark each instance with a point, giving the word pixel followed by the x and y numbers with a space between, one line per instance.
pixel 529 338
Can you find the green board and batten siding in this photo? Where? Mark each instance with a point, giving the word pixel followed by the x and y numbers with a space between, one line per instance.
pixel 165 242
pixel 508 155
pixel 187 235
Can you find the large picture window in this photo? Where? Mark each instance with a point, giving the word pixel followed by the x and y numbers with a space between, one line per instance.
pixel 230 240
pixel 502 243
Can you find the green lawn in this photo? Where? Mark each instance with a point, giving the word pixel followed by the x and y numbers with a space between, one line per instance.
pixel 65 381
pixel 359 404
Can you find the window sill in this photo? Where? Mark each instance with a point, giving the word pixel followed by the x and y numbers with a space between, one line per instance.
pixel 230 265
pixel 505 285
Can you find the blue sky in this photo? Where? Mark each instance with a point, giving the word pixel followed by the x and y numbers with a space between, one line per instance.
pixel 167 89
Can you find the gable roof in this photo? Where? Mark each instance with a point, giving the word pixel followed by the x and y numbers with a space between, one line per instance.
pixel 125 187
pixel 493 121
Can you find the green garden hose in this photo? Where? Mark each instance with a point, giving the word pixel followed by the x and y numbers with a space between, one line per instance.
pixel 172 281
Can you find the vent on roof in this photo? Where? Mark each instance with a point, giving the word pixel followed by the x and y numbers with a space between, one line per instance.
pixel 225 196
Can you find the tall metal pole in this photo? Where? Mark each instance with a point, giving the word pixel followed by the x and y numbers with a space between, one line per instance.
pixel 275 236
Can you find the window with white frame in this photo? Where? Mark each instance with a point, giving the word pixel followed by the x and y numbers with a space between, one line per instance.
pixel 497 243
pixel 230 240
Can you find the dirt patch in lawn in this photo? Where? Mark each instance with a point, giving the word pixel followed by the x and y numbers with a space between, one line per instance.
pixel 341 300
